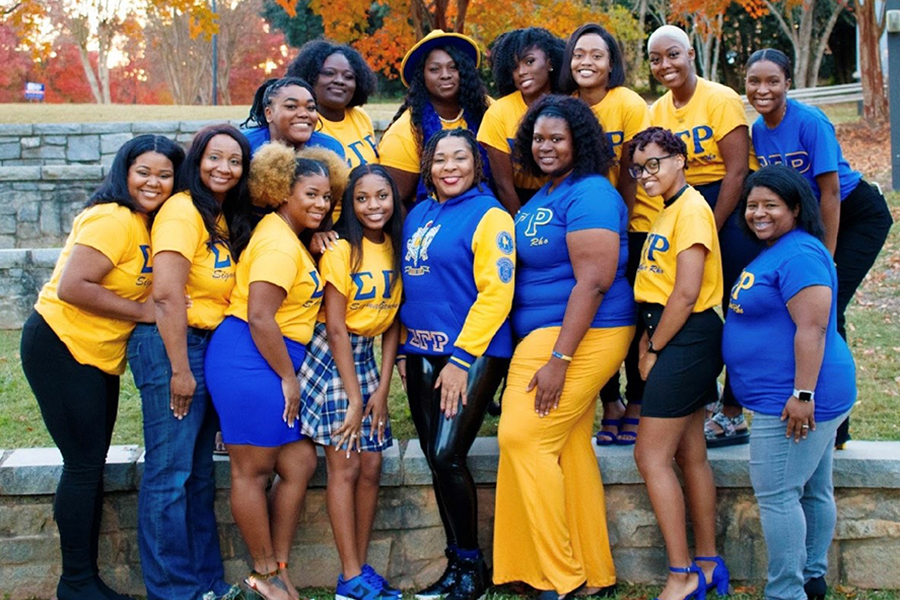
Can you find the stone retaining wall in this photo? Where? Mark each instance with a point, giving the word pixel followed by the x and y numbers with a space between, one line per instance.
pixel 408 542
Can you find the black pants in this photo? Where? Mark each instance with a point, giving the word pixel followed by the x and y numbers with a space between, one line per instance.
pixel 865 223
pixel 79 405
pixel 446 442
pixel 634 387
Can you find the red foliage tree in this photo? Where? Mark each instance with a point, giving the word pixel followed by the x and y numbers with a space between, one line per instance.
pixel 15 66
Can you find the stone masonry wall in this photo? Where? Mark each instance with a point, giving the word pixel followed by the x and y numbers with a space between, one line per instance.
pixel 408 543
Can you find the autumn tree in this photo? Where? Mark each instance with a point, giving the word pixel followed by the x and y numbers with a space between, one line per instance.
pixel 15 66
pixel 871 22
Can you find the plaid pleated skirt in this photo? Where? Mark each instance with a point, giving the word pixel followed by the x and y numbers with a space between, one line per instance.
pixel 323 399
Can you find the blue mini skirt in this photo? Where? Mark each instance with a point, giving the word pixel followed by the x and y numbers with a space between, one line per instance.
pixel 245 390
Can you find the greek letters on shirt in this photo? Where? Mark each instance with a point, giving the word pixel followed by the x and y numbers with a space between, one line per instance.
pixel 694 139
pixel 655 243
pixel 355 146
pixel 145 279
pixel 364 281
pixel 428 340
pixel 744 282
pixel 799 160
pixel 417 248
pixel 221 260
pixel 534 221
pixel 615 139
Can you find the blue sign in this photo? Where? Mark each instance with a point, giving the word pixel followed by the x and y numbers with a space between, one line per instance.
pixel 34 91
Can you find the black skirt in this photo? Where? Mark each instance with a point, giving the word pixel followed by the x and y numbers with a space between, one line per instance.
pixel 684 377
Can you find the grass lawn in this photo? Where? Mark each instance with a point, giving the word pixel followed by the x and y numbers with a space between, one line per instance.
pixel 873 330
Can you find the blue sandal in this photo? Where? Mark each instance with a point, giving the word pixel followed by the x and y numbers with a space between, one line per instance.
pixel 721 578
pixel 700 592
pixel 608 438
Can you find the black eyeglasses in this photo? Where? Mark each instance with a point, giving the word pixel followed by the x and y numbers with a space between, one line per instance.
pixel 651 166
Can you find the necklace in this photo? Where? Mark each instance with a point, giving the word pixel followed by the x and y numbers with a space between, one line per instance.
pixel 454 119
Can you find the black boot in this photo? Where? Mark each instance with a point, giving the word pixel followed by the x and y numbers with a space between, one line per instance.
pixel 816 588
pixel 472 580
pixel 445 583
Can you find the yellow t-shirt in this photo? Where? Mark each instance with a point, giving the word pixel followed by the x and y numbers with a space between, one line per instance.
pixel 121 236
pixel 372 303
pixel 178 227
pixel 687 221
pixel 498 130
pixel 398 148
pixel 277 256
pixel 356 134
pixel 623 114
pixel 713 112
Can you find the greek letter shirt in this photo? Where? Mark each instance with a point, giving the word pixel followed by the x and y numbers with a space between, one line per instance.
pixel 458 278
pixel 373 298
pixel 178 227
pixel 546 278
pixel 686 221
pixel 498 130
pixel 804 140
pixel 355 133
pixel 623 114
pixel 758 340
pixel 713 112
pixel 121 236
pixel 275 255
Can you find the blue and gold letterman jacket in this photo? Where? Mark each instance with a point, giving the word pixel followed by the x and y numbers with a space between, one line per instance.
pixel 458 278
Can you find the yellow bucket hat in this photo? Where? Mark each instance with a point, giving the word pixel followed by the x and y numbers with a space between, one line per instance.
pixel 437 39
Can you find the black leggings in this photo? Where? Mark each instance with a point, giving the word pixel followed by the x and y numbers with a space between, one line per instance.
pixel 634 389
pixel 79 405
pixel 446 442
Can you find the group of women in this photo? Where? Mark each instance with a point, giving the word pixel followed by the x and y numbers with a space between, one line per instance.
pixel 535 223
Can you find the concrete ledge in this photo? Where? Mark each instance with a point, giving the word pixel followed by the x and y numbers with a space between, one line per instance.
pixel 864 465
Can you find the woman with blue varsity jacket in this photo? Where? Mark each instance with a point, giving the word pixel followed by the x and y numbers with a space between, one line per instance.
pixel 458 268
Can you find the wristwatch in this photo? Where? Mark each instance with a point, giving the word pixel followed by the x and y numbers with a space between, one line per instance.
pixel 804 395
pixel 651 349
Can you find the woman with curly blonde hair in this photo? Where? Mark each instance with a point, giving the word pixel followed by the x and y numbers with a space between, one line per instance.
pixel 254 355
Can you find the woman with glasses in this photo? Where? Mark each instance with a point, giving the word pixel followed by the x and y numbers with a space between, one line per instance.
pixel 678 284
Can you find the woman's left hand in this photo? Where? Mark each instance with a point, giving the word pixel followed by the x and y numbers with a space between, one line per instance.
pixel 645 364
pixel 377 408
pixel 549 381
pixel 322 241
pixel 452 381
pixel 800 417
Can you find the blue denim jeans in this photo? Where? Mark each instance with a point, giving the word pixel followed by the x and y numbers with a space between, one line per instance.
pixel 177 535
pixel 793 486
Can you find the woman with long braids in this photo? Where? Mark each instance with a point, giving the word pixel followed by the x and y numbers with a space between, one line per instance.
pixel 526 64
pixel 445 92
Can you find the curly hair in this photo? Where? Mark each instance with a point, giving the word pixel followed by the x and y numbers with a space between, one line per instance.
pixel 350 229
pixel 308 65
pixel 266 93
pixel 510 47
pixel 114 188
pixel 338 170
pixel 786 183
pixel 591 154
pixel 616 60
pixel 473 96
pixel 664 138
pixel 430 148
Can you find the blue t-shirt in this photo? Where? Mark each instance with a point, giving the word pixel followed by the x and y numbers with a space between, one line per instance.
pixel 804 140
pixel 258 136
pixel 544 275
pixel 758 341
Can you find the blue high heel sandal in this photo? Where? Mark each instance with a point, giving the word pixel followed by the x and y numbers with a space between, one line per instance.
pixel 700 592
pixel 721 578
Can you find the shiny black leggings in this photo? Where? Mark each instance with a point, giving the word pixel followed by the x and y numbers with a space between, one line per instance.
pixel 446 442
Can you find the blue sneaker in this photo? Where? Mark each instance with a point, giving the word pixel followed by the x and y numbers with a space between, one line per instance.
pixel 375 577
pixel 360 588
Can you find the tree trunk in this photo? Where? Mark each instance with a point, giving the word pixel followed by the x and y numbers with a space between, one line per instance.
pixel 89 73
pixel 875 100
pixel 839 7
pixel 462 7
